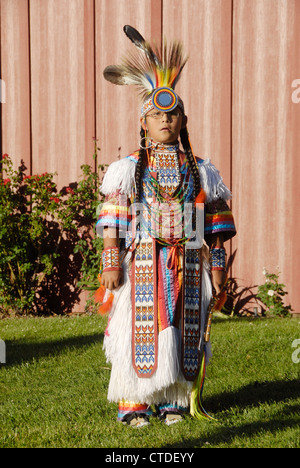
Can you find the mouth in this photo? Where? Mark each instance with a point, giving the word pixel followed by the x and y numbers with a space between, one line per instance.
pixel 165 129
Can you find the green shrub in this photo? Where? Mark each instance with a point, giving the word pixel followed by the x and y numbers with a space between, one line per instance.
pixel 271 294
pixel 41 227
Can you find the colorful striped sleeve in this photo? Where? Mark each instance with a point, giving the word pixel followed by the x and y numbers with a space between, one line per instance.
pixel 114 213
pixel 219 219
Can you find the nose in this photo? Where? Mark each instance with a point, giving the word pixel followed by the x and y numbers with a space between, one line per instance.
pixel 166 116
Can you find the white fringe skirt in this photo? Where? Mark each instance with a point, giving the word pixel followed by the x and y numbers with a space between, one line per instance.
pixel 168 384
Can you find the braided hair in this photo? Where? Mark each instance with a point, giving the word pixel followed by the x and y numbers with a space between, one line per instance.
pixel 140 167
pixel 184 137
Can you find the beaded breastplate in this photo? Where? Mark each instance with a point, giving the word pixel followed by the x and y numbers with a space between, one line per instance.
pixel 167 166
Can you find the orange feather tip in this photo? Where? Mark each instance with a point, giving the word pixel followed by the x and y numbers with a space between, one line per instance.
pixel 201 197
pixel 99 294
pixel 106 307
pixel 221 301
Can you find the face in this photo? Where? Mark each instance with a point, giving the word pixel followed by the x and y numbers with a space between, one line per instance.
pixel 166 128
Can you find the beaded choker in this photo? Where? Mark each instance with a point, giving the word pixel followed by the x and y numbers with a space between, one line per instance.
pixel 155 145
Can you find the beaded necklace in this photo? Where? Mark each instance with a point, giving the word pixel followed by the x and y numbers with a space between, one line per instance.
pixel 170 189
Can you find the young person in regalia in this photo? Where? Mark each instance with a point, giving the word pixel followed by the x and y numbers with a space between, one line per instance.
pixel 164 222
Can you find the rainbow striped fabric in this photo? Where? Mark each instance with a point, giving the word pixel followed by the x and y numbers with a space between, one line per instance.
pixel 127 407
pixel 219 222
pixel 218 218
pixel 115 211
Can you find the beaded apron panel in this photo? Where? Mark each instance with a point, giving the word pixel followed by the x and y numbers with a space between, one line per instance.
pixel 144 309
pixel 191 313
pixel 144 301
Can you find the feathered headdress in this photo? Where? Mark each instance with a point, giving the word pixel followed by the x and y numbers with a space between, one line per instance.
pixel 155 72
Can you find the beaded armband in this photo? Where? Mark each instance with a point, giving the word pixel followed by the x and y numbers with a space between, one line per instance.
pixel 111 259
pixel 218 258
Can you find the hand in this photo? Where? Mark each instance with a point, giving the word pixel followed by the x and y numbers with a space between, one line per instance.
pixel 219 278
pixel 112 279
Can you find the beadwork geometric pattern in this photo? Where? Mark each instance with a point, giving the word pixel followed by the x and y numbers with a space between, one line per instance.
pixel 111 259
pixel 168 171
pixel 218 258
pixel 164 99
pixel 144 277
pixel 144 316
pixel 191 313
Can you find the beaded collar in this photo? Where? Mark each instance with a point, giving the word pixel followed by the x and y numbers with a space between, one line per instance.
pixel 155 149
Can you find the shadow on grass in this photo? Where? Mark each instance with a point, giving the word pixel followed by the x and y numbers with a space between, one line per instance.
pixel 19 353
pixel 226 435
pixel 252 395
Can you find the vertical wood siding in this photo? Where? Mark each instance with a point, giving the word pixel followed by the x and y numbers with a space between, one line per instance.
pixel 237 89
pixel 266 141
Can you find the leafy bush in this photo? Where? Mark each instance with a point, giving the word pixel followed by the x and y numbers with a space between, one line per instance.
pixel 42 231
pixel 271 294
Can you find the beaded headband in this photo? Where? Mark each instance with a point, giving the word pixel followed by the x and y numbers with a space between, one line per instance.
pixel 155 72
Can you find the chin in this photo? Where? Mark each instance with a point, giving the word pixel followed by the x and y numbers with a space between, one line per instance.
pixel 166 139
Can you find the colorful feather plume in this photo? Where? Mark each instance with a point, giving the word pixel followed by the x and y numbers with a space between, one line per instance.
pixel 196 406
pixel 150 67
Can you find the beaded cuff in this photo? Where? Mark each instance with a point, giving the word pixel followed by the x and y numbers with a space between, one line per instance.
pixel 218 258
pixel 111 259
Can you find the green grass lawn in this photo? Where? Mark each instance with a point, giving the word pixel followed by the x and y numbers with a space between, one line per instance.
pixel 54 383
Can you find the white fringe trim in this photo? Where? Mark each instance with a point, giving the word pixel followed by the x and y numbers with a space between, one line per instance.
pixel 168 383
pixel 212 182
pixel 121 176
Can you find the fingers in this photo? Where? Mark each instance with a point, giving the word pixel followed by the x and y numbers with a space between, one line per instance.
pixel 112 280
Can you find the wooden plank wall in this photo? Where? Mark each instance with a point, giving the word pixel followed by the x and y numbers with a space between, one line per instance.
pixel 237 88
pixel 266 141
